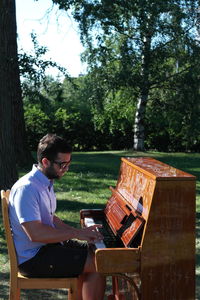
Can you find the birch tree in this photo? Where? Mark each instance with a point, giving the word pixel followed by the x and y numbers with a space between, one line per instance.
pixel 151 30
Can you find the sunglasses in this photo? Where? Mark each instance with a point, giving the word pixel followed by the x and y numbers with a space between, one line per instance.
pixel 62 164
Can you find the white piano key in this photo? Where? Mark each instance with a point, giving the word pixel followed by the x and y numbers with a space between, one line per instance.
pixel 90 222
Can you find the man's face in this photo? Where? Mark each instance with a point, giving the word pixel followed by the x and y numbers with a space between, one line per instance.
pixel 57 168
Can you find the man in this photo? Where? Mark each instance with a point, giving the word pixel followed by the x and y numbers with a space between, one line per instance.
pixel 46 246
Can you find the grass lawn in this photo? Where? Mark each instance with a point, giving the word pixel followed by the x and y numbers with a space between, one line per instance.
pixel 86 185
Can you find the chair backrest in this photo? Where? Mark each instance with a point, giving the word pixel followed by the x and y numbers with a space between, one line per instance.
pixel 8 232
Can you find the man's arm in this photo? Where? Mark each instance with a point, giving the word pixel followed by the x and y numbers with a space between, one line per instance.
pixel 39 232
pixel 60 224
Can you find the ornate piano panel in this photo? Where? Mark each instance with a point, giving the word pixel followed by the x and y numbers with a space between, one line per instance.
pixel 152 212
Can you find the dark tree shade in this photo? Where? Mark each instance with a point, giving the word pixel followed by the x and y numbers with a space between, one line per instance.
pixel 7 150
pixel 12 133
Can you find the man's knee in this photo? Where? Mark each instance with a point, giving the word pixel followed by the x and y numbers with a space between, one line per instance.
pixel 90 263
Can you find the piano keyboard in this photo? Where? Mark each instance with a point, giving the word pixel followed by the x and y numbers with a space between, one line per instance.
pixel 90 222
pixel 110 240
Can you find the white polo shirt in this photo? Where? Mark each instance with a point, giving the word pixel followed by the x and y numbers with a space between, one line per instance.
pixel 32 198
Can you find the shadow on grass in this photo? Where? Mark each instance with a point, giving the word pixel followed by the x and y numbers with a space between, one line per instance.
pixel 4 288
pixel 83 183
pixel 2 239
pixel 4 249
pixel 198 225
pixel 4 291
pixel 87 166
pixel 98 163
pixel 69 205
pixel 75 206
pixel 109 163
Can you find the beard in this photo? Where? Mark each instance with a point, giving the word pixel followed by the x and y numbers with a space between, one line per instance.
pixel 51 173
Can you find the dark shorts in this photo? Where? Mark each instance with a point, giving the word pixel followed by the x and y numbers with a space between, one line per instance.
pixel 57 260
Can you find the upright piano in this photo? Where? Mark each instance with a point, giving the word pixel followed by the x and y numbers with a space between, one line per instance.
pixel 148 225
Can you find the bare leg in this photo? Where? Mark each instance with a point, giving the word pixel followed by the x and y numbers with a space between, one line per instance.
pixel 91 283
pixel 80 287
pixel 93 286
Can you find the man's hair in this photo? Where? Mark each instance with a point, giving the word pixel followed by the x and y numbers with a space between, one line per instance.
pixel 50 145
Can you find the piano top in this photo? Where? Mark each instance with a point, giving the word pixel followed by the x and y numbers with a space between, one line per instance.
pixel 156 169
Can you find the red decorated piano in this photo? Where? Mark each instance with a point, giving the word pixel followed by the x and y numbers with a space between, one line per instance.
pixel 148 225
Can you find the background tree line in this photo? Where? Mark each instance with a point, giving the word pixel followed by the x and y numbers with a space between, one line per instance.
pixel 70 109
pixel 141 45
pixel 141 90
pixel 96 114
pixel 142 86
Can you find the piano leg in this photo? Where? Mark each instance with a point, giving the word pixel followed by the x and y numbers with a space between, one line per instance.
pixel 124 286
pixel 116 293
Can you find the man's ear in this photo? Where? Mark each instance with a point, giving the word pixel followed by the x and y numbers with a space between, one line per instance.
pixel 45 162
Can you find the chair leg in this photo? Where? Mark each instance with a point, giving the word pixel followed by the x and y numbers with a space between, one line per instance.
pixel 73 292
pixel 14 294
pixel 71 295
pixel 14 290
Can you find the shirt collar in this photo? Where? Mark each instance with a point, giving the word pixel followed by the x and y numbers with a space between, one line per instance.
pixel 41 177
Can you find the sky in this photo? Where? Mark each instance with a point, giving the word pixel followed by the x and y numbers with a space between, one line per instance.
pixel 55 30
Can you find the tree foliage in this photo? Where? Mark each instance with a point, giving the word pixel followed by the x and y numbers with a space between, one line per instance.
pixel 141 41
pixel 143 71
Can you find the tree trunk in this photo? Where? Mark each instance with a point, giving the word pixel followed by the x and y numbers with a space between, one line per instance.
pixel 139 126
pixel 8 168
pixel 11 113
pixel 23 155
pixel 10 81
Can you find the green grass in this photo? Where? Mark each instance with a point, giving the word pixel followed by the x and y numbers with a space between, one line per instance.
pixel 86 185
